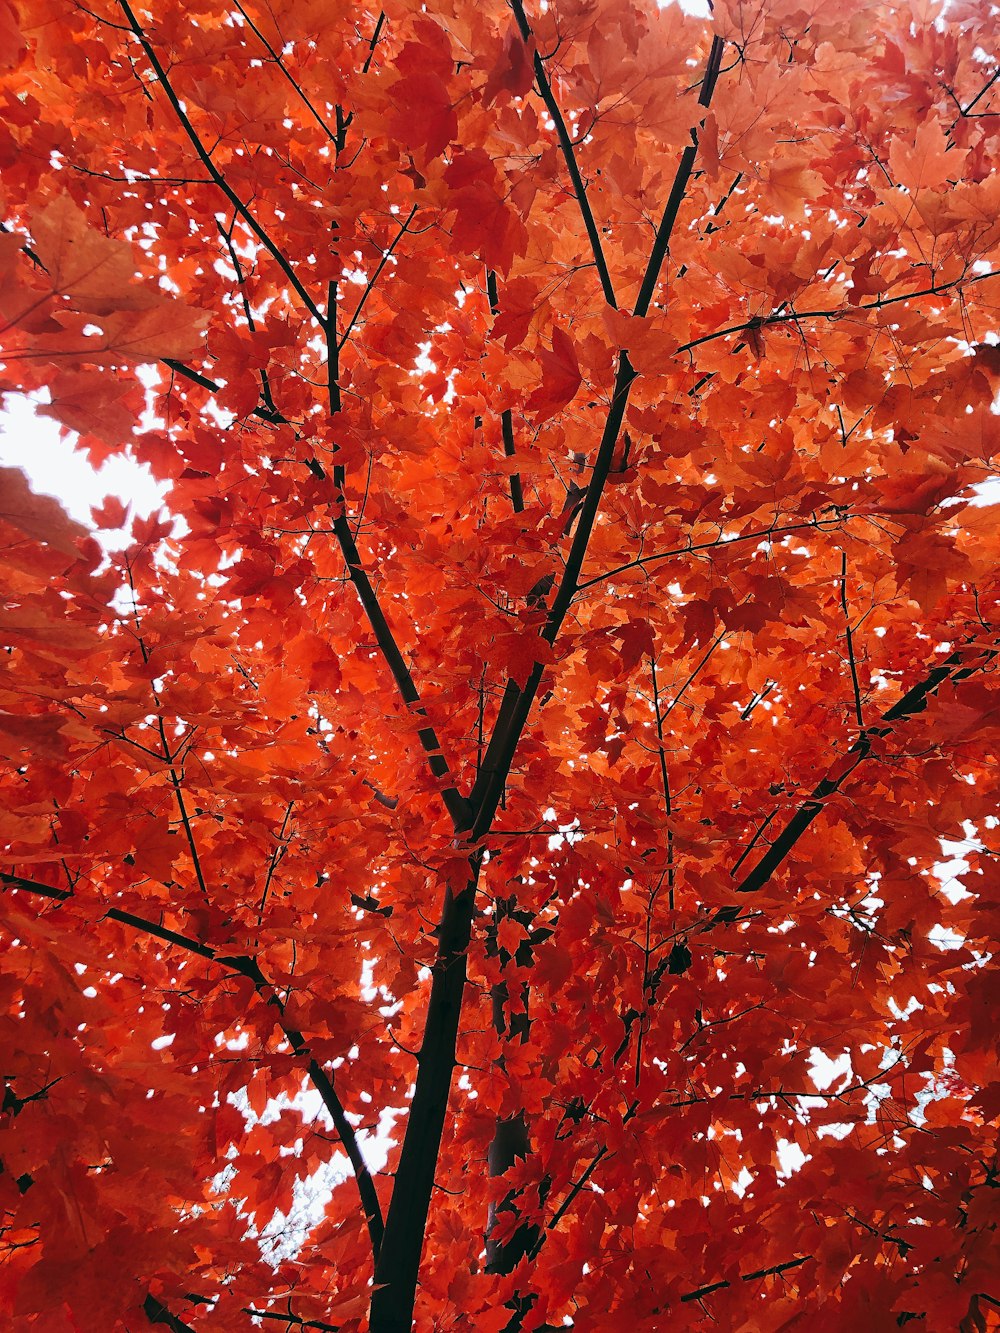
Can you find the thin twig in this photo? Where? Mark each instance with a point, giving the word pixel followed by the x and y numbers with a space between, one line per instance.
pixel 954 668
pixel 291 1320
pixel 838 312
pixel 756 534
pixel 234 259
pixel 455 803
pixel 280 848
pixel 387 254
pixel 373 43
pixel 506 417
pixel 566 144
pixel 746 1277
pixel 280 64
pixel 665 782
pixel 571 1195
pixel 248 967
pixel 167 756
pixel 661 242
pixel 217 176
pixel 850 641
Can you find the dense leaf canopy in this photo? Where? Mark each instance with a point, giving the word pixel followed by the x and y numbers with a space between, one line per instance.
pixel 531 725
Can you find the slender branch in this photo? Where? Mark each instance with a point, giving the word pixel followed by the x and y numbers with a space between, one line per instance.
pixel 167 755
pixel 506 416
pixel 370 287
pixel 234 259
pixel 678 190
pixel 279 850
pixel 178 790
pixel 983 91
pixel 516 704
pixel 291 1320
pixel 665 781
pixel 248 967
pixel 217 176
pixel 280 64
pixel 566 144
pixel 694 674
pixel 135 178
pixel 373 43
pixel 838 312
pixel 903 1247
pixel 570 1198
pixel 711 225
pixel 746 1277
pixel 455 803
pixel 965 110
pixel 915 700
pixel 203 381
pixel 453 800
pixel 756 534
pixel 850 642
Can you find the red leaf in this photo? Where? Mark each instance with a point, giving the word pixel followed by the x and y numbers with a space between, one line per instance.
pixel 561 378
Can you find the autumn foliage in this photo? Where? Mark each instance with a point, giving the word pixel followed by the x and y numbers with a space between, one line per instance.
pixel 530 727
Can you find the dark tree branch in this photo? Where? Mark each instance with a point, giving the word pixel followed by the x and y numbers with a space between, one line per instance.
pixel 370 287
pixel 455 803
pixel 667 806
pixel 915 700
pixel 373 43
pixel 234 259
pixel 838 312
pixel 679 188
pixel 279 850
pixel 756 534
pixel 746 1277
pixel 849 633
pixel 571 1196
pixel 517 703
pixel 209 165
pixel 506 417
pixel 167 756
pixel 248 967
pixel 964 111
pixel 280 64
pixel 566 145
pixel 157 1313
pixel 291 1320
pixel 399 1259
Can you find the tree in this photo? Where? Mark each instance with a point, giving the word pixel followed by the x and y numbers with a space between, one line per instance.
pixel 532 725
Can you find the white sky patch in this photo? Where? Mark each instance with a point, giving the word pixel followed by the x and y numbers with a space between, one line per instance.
pixel 54 467
pixel 791 1158
pixel 283 1237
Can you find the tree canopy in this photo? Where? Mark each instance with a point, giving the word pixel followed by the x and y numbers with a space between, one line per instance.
pixel 529 739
